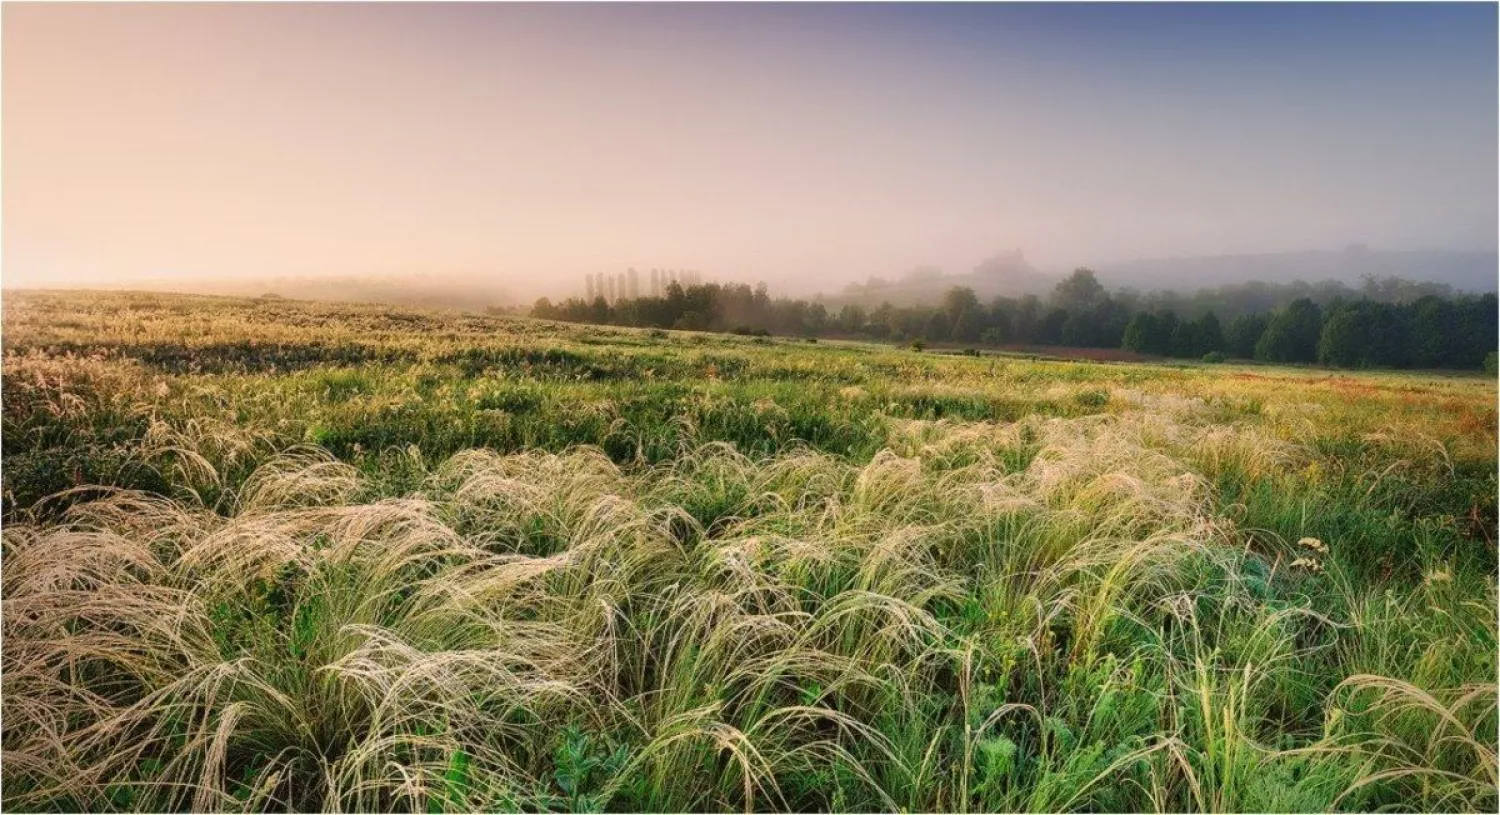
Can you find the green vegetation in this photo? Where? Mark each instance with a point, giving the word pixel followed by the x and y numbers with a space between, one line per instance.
pixel 1389 324
pixel 270 555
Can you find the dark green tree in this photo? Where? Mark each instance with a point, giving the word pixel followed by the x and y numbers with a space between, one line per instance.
pixel 1210 333
pixel 1000 318
pixel 968 326
pixel 599 313
pixel 1109 319
pixel 1078 330
pixel 1141 334
pixel 1390 334
pixel 851 318
pixel 957 301
pixel 1345 339
pixel 1476 330
pixel 936 328
pixel 1185 341
pixel 1049 330
pixel 1243 333
pixel 1433 334
pixel 1166 332
pixel 1026 326
pixel 1292 334
pixel 1079 291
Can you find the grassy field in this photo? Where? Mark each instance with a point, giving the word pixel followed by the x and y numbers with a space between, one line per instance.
pixel 271 555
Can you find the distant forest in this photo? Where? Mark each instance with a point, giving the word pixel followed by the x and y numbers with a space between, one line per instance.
pixel 1386 322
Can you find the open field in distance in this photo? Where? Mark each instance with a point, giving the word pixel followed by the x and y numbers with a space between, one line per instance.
pixel 269 555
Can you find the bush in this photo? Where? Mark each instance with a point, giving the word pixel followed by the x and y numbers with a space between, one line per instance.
pixel 747 331
pixel 1214 357
pixel 1092 398
pixel 918 346
pixel 1489 363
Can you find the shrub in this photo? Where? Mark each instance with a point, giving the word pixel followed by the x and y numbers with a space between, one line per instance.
pixel 1489 363
pixel 1092 398
pixel 918 346
pixel 1214 357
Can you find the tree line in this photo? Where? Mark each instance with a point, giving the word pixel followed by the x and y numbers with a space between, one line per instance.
pixel 1388 323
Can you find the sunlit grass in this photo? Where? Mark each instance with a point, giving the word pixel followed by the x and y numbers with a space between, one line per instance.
pixel 265 555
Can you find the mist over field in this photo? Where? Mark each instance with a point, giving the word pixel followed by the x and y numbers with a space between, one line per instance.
pixel 496 153
pixel 749 408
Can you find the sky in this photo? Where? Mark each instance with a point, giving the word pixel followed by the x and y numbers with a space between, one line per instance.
pixel 802 145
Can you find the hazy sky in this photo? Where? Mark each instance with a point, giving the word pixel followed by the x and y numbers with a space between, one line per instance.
pixel 801 145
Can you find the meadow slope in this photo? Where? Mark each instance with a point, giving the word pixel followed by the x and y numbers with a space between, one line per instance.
pixel 274 555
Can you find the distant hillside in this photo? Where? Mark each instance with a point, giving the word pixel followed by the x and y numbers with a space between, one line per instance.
pixel 1009 274
pixel 1464 271
pixel 1006 273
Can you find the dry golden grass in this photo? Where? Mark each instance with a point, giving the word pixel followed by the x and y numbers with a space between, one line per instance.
pixel 829 577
